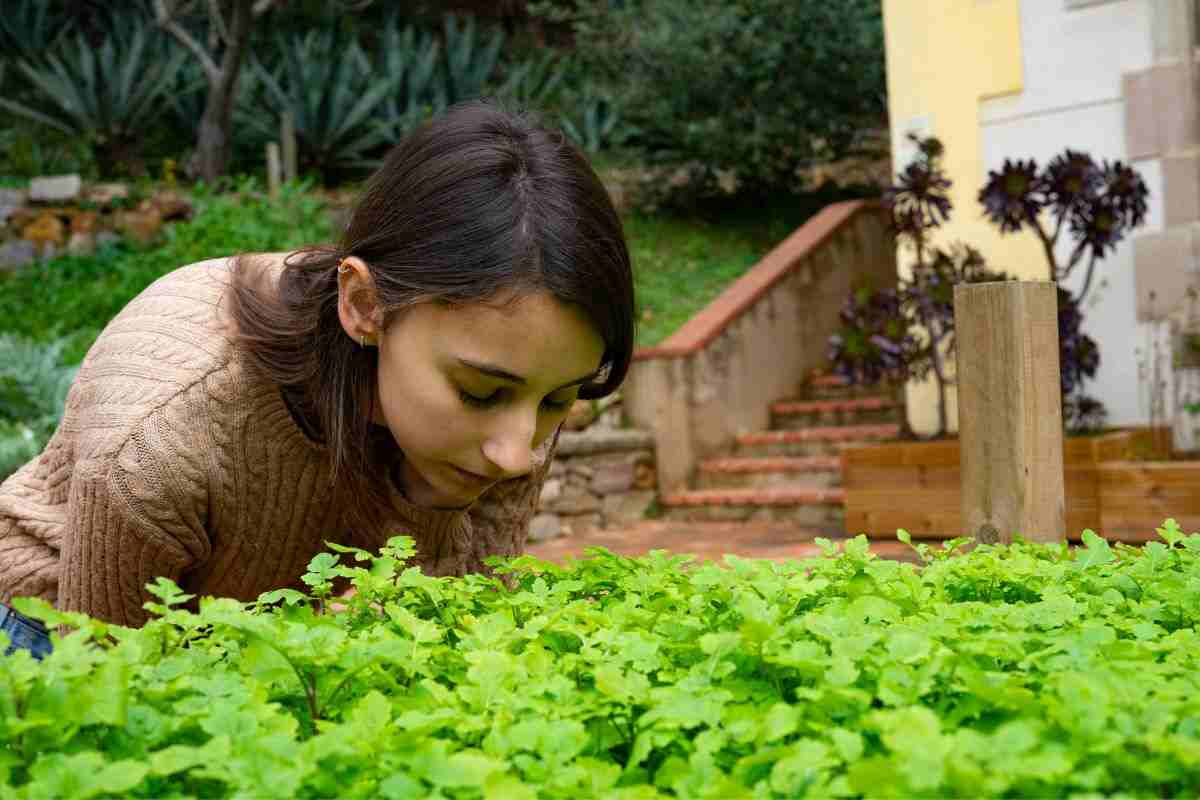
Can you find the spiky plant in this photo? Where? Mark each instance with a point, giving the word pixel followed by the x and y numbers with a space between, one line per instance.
pixel 33 390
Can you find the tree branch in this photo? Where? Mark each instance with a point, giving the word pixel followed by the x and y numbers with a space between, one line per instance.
pixel 218 21
pixel 165 19
pixel 261 7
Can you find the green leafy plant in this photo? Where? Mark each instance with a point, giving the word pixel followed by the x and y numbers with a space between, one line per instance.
pixel 29 28
pixel 1025 671
pixel 33 389
pixel 596 125
pixel 758 89
pixel 106 95
pixel 414 59
pixel 470 57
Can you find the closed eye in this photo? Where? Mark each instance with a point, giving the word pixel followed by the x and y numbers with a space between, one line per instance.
pixel 495 397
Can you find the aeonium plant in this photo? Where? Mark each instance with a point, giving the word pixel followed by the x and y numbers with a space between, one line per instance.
pixel 908 332
pixel 1098 204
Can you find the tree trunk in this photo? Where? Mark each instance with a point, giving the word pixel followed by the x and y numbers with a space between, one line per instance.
pixel 215 135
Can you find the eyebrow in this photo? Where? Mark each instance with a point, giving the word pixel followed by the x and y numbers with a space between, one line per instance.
pixel 505 375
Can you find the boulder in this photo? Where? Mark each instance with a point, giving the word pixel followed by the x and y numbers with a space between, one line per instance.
pixel 551 491
pixel 55 188
pixel 46 229
pixel 170 206
pixel 574 500
pixel 572 443
pixel 106 194
pixel 11 200
pixel 16 254
pixel 544 527
pixel 612 475
pixel 84 222
pixel 582 413
pixel 627 508
pixel 141 226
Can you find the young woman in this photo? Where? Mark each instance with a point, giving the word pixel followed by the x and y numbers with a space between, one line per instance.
pixel 410 380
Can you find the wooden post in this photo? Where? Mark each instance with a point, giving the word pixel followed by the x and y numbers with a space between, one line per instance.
pixel 273 169
pixel 1009 411
pixel 287 135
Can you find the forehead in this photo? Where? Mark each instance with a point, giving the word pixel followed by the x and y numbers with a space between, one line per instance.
pixel 533 335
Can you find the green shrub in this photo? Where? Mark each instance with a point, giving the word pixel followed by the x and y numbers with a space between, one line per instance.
pixel 761 88
pixel 75 297
pixel 1021 671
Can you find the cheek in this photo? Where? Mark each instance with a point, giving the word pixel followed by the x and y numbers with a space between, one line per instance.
pixel 422 412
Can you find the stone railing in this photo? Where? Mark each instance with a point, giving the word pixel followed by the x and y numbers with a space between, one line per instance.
pixel 717 375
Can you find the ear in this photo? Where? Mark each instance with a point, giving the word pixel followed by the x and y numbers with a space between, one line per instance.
pixel 358 305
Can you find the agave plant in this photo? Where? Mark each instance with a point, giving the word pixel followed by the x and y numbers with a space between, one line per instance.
pixel 33 389
pixel 414 61
pixel 334 94
pixel 536 82
pixel 470 60
pixel 597 124
pixel 106 95
pixel 30 27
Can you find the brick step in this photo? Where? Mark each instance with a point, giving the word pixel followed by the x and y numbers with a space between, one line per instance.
pixel 829 440
pixel 730 473
pixel 797 414
pixel 835 387
pixel 810 506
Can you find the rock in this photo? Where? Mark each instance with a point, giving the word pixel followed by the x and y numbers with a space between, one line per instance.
pixel 46 229
pixel 581 523
pixel 81 243
pixel 574 500
pixel 55 188
pixel 572 443
pixel 577 469
pixel 169 205
pixel 544 527
pixel 551 491
pixel 11 201
pixel 582 413
pixel 558 468
pixel 627 508
pixel 612 476
pixel 84 222
pixel 645 476
pixel 141 226
pixel 16 254
pixel 105 194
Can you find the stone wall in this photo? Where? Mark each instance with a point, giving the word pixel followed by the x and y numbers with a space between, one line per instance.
pixel 601 477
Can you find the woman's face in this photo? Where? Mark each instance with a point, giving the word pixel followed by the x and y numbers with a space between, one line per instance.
pixel 470 392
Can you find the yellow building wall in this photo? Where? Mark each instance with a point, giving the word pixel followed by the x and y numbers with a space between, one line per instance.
pixel 943 58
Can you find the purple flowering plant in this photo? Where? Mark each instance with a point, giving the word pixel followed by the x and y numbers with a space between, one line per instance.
pixel 1097 204
pixel 908 332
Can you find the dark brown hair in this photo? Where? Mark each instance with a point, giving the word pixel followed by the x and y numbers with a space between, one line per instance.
pixel 477 201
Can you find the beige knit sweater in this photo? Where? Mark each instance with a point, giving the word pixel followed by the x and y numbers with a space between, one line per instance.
pixel 176 458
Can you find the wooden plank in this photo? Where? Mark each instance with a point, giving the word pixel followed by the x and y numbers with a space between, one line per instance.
pixel 1010 410
pixel 1136 497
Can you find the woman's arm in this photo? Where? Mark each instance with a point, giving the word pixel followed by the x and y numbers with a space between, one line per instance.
pixel 132 517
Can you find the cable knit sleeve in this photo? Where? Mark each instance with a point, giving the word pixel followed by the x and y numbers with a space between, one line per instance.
pixel 500 519
pixel 138 514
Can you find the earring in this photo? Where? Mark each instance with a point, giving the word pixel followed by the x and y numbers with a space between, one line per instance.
pixel 362 341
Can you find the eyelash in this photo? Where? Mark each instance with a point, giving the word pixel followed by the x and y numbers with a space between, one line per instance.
pixel 487 402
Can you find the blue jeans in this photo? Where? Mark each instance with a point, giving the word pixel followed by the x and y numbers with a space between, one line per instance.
pixel 25 633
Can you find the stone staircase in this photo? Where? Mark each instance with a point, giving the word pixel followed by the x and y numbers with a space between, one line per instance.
pixel 791 472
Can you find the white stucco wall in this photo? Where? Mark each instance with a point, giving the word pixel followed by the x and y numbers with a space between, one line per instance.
pixel 1074 57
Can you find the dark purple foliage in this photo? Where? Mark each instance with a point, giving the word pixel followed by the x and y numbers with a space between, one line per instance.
pixel 1013 196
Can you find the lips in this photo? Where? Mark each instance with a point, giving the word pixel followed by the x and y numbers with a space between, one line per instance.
pixel 471 477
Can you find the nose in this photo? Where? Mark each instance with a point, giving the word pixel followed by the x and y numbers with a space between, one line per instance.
pixel 509 446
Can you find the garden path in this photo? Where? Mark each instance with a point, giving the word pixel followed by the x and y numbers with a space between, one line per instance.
pixel 707 540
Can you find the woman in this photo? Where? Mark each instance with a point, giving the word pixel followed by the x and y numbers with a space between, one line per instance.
pixel 412 379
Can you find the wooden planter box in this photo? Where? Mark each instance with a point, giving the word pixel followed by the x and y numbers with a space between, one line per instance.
pixel 915 486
